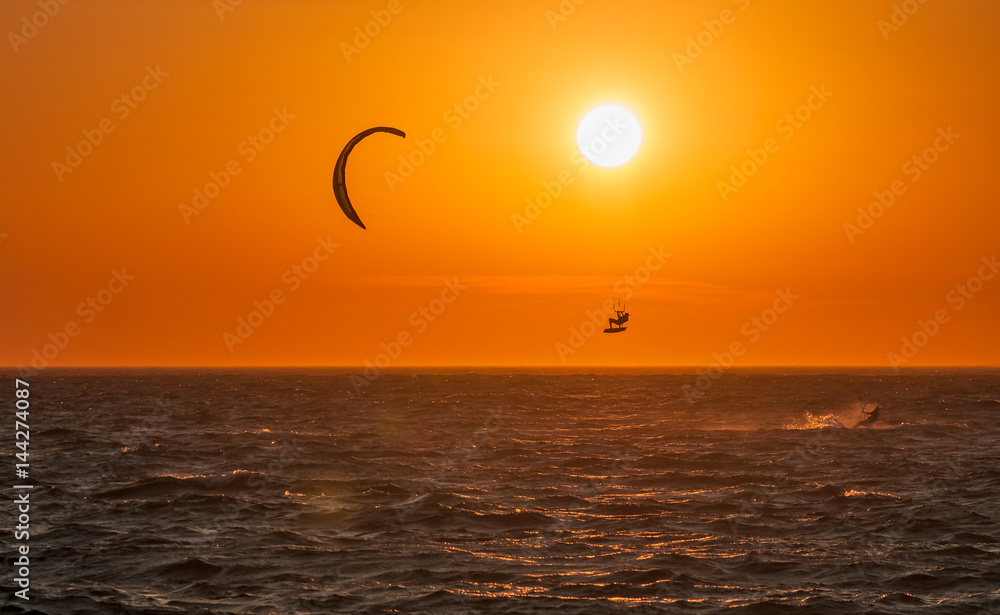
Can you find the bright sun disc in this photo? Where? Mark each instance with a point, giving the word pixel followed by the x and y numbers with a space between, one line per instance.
pixel 609 136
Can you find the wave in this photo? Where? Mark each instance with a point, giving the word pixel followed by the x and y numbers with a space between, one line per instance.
pixel 606 494
pixel 188 570
pixel 177 485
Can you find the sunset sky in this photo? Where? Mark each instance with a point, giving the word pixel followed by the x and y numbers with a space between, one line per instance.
pixel 523 75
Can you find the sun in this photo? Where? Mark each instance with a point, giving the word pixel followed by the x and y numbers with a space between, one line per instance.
pixel 609 136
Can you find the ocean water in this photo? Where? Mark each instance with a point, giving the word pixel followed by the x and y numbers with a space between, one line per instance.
pixel 492 491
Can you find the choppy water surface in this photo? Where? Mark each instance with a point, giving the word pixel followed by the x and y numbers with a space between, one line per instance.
pixel 287 492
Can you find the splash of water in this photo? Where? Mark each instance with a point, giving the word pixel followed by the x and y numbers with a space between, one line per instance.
pixel 845 418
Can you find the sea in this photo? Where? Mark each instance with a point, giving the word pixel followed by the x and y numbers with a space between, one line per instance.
pixel 454 491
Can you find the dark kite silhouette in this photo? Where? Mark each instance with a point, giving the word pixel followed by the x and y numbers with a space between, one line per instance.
pixel 339 180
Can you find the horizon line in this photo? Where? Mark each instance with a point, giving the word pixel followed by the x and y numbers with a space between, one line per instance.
pixel 520 366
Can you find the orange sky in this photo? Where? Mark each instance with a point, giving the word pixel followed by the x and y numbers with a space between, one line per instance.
pixel 208 83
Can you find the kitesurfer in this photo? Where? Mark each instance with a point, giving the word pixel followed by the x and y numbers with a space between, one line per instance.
pixel 621 320
pixel 868 417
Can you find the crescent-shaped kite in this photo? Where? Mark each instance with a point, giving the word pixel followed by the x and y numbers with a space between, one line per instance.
pixel 339 181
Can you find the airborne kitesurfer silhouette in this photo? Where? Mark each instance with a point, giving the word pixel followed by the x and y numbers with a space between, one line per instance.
pixel 621 320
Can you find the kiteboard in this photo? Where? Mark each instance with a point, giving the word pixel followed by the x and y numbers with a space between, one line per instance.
pixel 615 330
